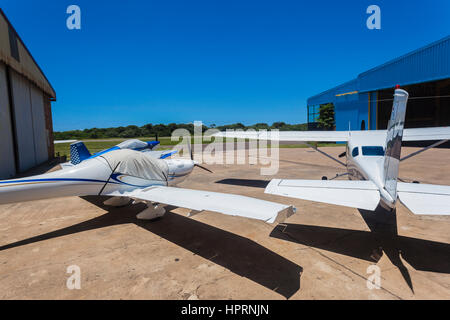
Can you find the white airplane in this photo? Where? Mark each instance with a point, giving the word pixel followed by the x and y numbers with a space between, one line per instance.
pixel 373 159
pixel 126 174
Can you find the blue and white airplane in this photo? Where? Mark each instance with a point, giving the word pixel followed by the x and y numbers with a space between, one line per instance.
pixel 373 159
pixel 126 174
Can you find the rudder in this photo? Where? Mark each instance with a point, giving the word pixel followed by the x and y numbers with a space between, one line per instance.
pixel 394 138
pixel 78 152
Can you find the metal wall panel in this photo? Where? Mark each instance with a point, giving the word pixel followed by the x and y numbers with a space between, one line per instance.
pixel 7 162
pixel 429 63
pixel 25 65
pixel 329 96
pixel 350 111
pixel 24 122
pixel 40 132
pixel 373 110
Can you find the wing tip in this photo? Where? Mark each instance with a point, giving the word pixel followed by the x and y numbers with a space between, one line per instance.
pixel 282 215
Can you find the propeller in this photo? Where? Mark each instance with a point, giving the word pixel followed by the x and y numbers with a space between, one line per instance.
pixel 201 167
pixel 192 158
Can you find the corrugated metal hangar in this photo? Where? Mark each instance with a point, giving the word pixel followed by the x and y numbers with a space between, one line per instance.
pixel 26 132
pixel 366 102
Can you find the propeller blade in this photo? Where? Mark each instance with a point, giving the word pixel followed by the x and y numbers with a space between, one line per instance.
pixel 190 149
pixel 206 169
pixel 343 154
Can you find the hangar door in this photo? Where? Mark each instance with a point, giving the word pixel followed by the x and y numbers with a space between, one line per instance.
pixel 7 161
pixel 40 132
pixel 30 123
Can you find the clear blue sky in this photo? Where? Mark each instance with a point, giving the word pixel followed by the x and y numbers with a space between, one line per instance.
pixel 138 62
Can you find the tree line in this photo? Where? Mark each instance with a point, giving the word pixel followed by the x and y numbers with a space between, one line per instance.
pixel 163 130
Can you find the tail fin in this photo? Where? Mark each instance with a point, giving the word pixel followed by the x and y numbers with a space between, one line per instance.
pixel 394 142
pixel 78 152
pixel 152 144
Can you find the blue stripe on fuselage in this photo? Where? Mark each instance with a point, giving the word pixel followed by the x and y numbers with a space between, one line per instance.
pixel 52 180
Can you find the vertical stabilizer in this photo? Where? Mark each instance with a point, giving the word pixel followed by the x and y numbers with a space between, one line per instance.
pixel 394 142
pixel 78 152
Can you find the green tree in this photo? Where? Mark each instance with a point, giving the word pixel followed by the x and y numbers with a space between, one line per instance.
pixel 278 125
pixel 326 116
pixel 162 130
pixel 261 126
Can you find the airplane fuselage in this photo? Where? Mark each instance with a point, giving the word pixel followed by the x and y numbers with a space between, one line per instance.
pixel 92 176
pixel 365 161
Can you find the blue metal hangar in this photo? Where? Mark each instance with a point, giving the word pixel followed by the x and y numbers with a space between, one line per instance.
pixel 366 102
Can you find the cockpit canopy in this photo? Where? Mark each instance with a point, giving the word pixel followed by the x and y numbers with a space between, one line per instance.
pixel 368 151
pixel 136 164
pixel 372 151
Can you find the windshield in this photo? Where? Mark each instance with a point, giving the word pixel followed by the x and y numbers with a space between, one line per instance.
pixel 372 151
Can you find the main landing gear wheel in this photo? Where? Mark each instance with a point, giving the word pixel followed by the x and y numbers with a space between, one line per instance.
pixel 152 212
pixel 117 201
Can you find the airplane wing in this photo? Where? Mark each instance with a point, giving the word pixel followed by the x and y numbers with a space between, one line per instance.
pixel 329 136
pixel 422 134
pixel 63 141
pixel 416 134
pixel 356 194
pixel 426 199
pixel 198 200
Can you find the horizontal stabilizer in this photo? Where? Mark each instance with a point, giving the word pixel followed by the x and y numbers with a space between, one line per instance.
pixel 355 194
pixel 198 200
pixel 424 199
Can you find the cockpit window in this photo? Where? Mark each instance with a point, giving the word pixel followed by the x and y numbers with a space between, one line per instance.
pixel 372 151
pixel 355 152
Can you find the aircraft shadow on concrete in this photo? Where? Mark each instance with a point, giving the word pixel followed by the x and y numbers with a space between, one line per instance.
pixel 423 255
pixel 240 255
pixel 245 182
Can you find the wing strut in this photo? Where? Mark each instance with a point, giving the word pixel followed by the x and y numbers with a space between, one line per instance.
pixel 107 181
pixel 326 154
pixel 424 149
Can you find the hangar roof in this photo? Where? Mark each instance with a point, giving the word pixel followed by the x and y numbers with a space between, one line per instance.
pixel 15 54
pixel 429 63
